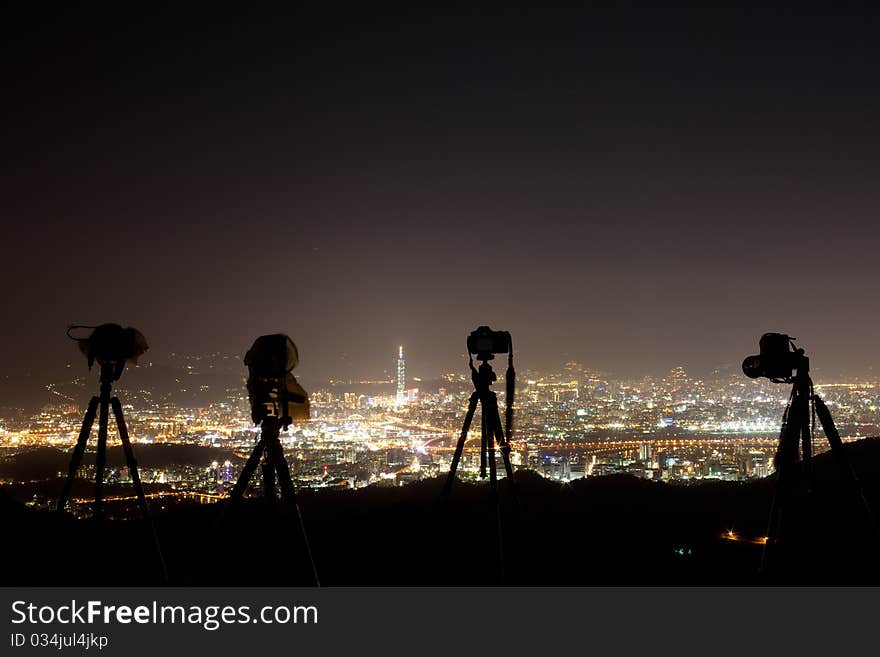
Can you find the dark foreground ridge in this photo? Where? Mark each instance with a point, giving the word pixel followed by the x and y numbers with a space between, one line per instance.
pixel 615 530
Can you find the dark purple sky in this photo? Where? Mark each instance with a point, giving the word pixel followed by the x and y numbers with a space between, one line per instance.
pixel 636 188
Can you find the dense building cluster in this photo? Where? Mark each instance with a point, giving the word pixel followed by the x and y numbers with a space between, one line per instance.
pixel 569 424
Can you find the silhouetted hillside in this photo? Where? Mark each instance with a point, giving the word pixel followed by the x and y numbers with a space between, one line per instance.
pixel 38 463
pixel 43 462
pixel 604 530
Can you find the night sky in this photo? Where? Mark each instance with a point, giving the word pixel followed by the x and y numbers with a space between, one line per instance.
pixel 632 187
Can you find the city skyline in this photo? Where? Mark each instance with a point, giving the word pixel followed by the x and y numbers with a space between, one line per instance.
pixel 227 369
pixel 201 382
pixel 568 425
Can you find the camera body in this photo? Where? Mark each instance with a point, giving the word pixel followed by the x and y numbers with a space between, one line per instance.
pixel 777 360
pixel 272 356
pixel 272 388
pixel 112 346
pixel 484 343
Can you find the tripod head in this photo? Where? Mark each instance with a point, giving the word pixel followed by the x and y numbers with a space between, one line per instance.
pixel 272 389
pixel 485 373
pixel 111 346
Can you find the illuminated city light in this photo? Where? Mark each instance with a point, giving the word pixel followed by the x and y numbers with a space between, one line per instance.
pixel 570 425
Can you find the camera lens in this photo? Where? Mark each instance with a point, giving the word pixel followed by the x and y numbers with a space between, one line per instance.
pixel 752 367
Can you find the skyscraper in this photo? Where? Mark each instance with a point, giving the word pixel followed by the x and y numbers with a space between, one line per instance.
pixel 401 378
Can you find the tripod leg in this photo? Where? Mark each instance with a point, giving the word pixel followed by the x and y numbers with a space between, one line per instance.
pixel 129 456
pixel 833 436
pixel 131 461
pixel 456 457
pixel 302 529
pixel 483 445
pixel 101 452
pixel 787 452
pixel 273 453
pixel 773 524
pixel 268 467
pixel 490 412
pixel 288 493
pixel 504 447
pixel 786 461
pixel 847 472
pixel 78 452
pixel 248 470
pixel 807 448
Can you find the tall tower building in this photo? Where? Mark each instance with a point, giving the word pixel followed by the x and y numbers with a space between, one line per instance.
pixel 401 378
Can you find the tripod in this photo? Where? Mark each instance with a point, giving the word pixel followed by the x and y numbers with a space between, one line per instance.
pixel 798 422
pixel 109 373
pixel 274 465
pixel 491 431
pixel 104 402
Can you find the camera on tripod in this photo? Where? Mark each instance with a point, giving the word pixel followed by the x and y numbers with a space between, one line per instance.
pixel 781 361
pixel 111 345
pixel 484 343
pixel 272 388
pixel 778 359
